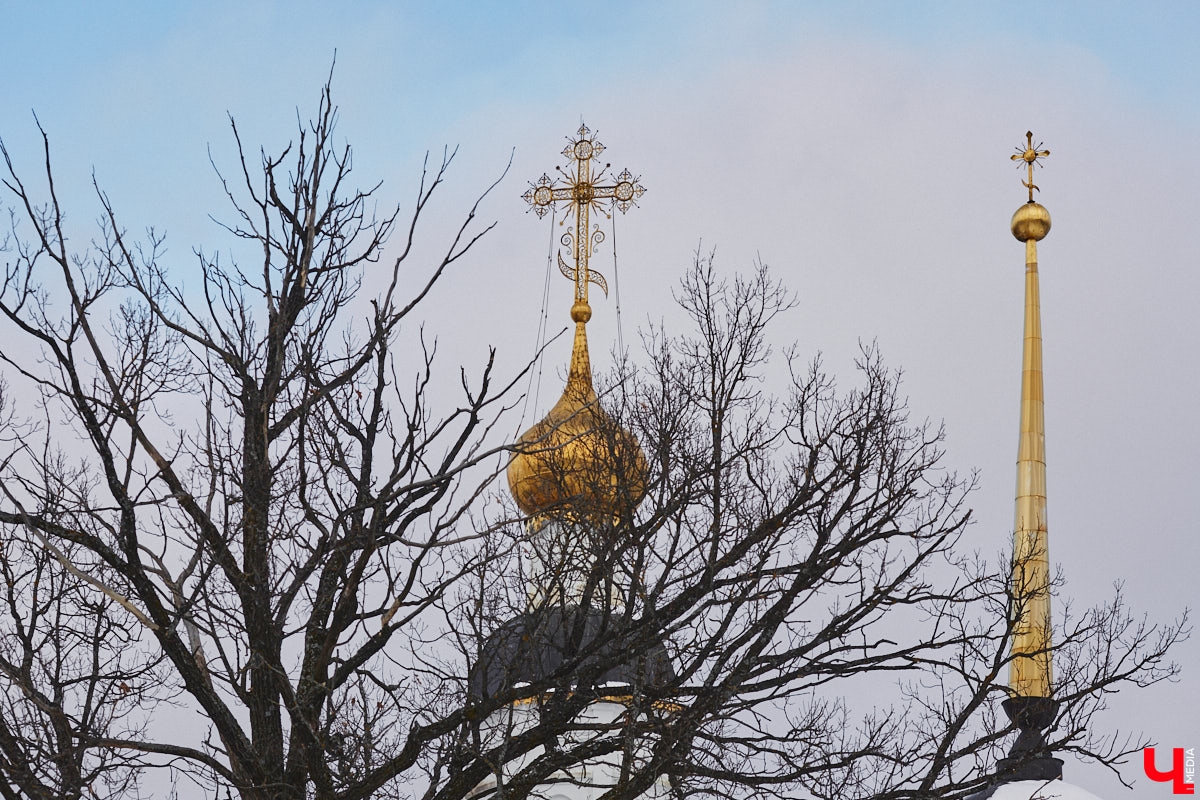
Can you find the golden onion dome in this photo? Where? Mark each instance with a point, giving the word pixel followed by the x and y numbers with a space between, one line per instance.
pixel 577 460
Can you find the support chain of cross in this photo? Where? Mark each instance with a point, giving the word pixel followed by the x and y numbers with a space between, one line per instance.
pixel 582 192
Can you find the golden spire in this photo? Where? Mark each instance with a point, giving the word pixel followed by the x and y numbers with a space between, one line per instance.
pixel 1031 672
pixel 577 454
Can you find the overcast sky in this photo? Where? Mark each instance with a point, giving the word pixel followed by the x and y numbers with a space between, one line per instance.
pixel 859 149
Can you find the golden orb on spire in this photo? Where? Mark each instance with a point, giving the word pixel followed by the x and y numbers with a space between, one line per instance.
pixel 1031 221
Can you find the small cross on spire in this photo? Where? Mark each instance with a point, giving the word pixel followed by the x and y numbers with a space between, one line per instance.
pixel 1031 155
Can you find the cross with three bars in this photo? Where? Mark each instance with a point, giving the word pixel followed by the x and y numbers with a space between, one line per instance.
pixel 582 192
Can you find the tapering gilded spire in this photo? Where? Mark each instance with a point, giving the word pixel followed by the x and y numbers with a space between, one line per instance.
pixel 1031 706
pixel 1031 671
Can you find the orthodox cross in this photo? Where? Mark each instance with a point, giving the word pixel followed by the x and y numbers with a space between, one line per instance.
pixel 1030 154
pixel 581 192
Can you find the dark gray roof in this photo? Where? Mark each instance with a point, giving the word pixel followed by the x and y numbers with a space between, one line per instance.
pixel 534 645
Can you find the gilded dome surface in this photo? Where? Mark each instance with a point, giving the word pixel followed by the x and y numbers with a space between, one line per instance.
pixel 577 459
pixel 1030 221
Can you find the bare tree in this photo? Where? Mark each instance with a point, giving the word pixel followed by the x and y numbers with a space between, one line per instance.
pixel 71 666
pixel 792 555
pixel 242 510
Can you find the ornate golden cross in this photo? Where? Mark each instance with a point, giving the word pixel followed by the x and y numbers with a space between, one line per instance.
pixel 582 191
pixel 1030 154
